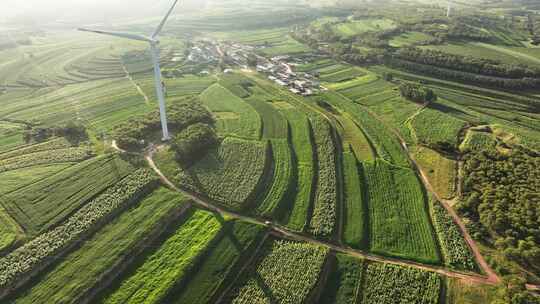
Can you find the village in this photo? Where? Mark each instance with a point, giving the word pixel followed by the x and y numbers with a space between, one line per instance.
pixel 278 69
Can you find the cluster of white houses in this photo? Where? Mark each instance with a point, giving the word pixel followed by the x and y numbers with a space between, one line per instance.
pixel 279 70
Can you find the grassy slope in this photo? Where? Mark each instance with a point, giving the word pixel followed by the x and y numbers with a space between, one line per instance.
pixel 235 117
pixel 343 285
pixel 169 263
pixel 459 292
pixel 440 171
pixel 48 201
pixel 221 264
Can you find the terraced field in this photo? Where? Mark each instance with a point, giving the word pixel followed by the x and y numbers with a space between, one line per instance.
pixel 330 196
pixel 399 222
pixel 78 274
pixel 41 205
pixel 234 116
pixel 286 272
pixel 231 174
pixel 172 260
pixel 302 146
pixel 279 192
pixel 220 265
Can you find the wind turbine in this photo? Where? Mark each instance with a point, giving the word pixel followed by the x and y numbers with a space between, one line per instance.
pixel 154 42
pixel 449 11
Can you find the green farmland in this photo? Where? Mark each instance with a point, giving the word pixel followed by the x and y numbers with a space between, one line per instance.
pixel 319 152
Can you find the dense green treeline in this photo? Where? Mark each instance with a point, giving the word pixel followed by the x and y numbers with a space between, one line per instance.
pixel 501 196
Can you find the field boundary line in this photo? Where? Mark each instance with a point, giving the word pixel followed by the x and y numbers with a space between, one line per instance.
pixel 283 232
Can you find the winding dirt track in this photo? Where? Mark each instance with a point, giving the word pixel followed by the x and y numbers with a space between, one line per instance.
pixel 491 277
pixel 283 232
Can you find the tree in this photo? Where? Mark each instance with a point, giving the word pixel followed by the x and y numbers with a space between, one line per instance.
pixel 252 60
pixel 417 92
pixel 193 143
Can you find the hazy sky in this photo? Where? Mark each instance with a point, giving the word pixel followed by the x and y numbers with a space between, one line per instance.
pixel 85 10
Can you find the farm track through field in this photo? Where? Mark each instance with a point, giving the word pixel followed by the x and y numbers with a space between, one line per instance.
pixel 139 89
pixel 492 277
pixel 285 233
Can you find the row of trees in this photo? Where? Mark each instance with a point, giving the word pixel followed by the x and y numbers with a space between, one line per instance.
pixel 469 78
pixel 466 63
pixel 74 132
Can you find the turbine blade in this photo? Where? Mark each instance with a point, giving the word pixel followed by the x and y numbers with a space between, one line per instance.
pixel 116 34
pixel 162 24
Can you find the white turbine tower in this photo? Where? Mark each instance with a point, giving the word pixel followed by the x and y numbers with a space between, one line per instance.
pixel 154 42
pixel 449 10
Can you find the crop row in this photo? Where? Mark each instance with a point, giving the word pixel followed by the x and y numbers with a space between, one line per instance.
pixel 49 201
pixel 399 222
pixel 324 216
pixel 343 284
pixel 355 233
pixel 386 143
pixel 342 75
pixel 36 252
pixel 230 174
pixel 282 179
pixel 234 115
pixel 169 263
pixel 477 141
pixel 287 273
pixel 47 157
pixel 237 242
pixel 456 252
pixel 96 263
pixel 303 155
pixel 58 143
pixel 436 129
pixel 387 284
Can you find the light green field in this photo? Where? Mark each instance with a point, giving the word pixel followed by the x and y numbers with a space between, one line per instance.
pixel 409 38
pixel 398 219
pixel 171 261
pixel 16 179
pixel 353 28
pixel 43 204
pixel 9 230
pixel 247 122
pixel 440 171
pixel 509 55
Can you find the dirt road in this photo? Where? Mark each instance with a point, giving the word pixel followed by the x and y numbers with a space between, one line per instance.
pixel 283 232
